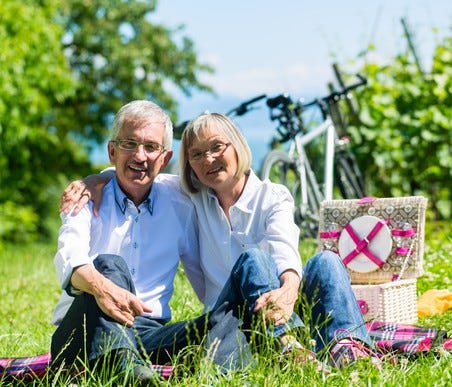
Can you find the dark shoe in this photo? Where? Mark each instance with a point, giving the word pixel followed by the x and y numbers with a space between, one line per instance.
pixel 142 375
pixel 134 369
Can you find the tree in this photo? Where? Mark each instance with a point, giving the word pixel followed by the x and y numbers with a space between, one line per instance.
pixel 118 54
pixel 34 77
pixel 405 140
pixel 66 67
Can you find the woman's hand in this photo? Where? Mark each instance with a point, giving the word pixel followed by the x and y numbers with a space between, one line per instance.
pixel 278 304
pixel 79 192
pixel 74 197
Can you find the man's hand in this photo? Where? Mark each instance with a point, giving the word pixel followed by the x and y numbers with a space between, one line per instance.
pixel 79 192
pixel 278 304
pixel 116 302
pixel 120 304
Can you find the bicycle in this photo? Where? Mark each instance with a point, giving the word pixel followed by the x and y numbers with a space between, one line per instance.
pixel 293 167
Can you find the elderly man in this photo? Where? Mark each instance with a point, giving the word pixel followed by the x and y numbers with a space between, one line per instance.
pixel 117 268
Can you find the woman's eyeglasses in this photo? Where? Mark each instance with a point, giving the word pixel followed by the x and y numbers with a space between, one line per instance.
pixel 214 150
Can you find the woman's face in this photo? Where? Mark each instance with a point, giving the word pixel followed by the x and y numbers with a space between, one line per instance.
pixel 213 159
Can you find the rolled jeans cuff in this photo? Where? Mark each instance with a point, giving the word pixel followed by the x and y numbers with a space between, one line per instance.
pixel 279 330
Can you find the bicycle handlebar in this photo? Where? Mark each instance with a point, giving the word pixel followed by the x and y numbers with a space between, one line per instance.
pixel 282 99
pixel 337 95
pixel 245 107
pixel 289 112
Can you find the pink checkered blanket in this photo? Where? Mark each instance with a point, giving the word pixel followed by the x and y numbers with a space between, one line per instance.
pixel 28 368
pixel 389 338
pixel 407 339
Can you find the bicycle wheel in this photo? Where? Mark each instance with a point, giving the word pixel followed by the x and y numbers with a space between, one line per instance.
pixel 280 168
pixel 348 176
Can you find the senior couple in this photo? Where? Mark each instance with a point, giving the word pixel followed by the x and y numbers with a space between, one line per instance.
pixel 234 234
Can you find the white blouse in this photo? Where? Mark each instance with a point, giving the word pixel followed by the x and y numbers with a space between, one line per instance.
pixel 261 218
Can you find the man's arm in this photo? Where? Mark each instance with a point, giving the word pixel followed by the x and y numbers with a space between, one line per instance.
pixel 79 192
pixel 114 301
pixel 74 266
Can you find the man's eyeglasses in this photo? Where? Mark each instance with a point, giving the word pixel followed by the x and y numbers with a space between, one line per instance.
pixel 132 145
pixel 214 150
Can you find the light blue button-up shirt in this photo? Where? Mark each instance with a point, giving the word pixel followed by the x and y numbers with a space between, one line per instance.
pixel 151 238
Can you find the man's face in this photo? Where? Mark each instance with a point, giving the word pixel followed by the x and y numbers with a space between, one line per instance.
pixel 137 168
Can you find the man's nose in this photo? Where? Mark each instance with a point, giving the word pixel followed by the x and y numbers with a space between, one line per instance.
pixel 140 152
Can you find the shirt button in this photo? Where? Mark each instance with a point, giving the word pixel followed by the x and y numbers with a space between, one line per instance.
pixel 136 219
pixel 135 245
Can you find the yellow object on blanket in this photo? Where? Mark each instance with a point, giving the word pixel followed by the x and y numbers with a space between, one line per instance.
pixel 434 301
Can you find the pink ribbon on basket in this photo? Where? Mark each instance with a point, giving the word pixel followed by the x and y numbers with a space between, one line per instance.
pixel 403 233
pixel 363 307
pixel 362 244
pixel 366 200
pixel 330 234
pixel 403 251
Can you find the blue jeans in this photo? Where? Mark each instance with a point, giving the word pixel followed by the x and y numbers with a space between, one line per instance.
pixel 253 274
pixel 331 303
pixel 87 332
pixel 328 301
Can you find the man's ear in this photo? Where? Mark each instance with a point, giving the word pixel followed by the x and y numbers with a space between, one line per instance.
pixel 166 160
pixel 111 152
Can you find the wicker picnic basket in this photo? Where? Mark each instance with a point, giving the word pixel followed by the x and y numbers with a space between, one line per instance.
pixel 379 240
pixel 394 301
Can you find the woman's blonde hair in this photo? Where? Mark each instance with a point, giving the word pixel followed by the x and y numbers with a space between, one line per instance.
pixel 224 126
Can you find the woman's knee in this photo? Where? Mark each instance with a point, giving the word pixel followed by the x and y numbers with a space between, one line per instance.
pixel 256 259
pixel 325 261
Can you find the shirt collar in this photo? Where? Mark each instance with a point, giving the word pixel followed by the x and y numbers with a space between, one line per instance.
pixel 123 201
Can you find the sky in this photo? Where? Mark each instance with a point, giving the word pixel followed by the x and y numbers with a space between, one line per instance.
pixel 262 46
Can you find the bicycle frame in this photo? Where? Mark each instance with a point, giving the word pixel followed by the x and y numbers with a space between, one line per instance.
pixel 307 176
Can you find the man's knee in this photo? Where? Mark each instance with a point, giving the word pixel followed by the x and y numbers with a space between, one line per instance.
pixel 115 269
pixel 105 262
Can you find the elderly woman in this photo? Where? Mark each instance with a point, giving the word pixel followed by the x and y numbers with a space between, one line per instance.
pixel 249 249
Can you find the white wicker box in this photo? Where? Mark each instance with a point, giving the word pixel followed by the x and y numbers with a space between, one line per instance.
pixel 403 253
pixel 394 301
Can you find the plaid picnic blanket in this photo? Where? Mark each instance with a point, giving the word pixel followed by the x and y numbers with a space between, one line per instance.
pixel 407 339
pixel 28 368
pixel 389 338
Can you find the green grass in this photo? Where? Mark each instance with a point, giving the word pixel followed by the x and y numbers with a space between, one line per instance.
pixel 29 292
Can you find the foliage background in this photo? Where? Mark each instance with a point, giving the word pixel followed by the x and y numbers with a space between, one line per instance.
pixel 406 128
pixel 66 66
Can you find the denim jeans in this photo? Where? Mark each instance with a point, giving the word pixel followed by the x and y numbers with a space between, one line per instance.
pixel 331 303
pixel 326 287
pixel 253 274
pixel 332 310
pixel 87 332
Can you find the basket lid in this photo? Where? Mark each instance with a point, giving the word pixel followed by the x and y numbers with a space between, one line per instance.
pixel 365 244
